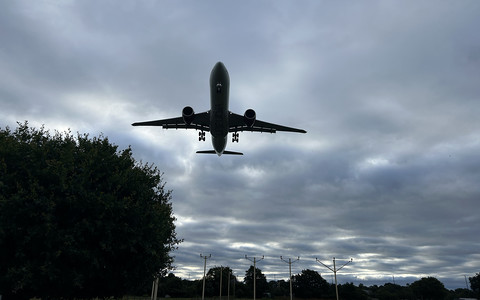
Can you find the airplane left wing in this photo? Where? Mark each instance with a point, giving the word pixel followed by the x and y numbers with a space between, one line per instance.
pixel 199 121
pixel 237 123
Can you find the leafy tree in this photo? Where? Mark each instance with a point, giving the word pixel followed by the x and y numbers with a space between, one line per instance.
pixel 475 284
pixel 461 293
pixel 261 282
pixel 351 292
pixel 78 218
pixel 310 284
pixel 279 288
pixel 390 291
pixel 429 288
pixel 212 281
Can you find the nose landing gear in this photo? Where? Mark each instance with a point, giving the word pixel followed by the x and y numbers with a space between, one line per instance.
pixel 201 136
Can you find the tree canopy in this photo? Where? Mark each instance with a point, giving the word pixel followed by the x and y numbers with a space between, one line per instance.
pixel 78 217
pixel 260 283
pixel 429 288
pixel 475 284
pixel 310 284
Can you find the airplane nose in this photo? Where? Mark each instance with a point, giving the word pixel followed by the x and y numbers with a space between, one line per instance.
pixel 219 74
pixel 219 66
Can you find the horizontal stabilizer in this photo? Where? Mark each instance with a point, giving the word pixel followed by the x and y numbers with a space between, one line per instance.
pixel 232 153
pixel 224 152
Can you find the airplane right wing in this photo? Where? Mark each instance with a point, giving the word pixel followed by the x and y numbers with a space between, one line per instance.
pixel 200 121
pixel 237 123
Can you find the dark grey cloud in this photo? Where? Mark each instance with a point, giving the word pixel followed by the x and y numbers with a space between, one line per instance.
pixel 388 91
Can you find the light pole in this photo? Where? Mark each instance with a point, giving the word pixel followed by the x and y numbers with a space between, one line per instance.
pixel 228 287
pixel 221 271
pixel 254 274
pixel 335 270
pixel 204 270
pixel 290 262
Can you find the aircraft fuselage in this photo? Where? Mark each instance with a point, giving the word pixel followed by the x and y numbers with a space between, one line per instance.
pixel 219 92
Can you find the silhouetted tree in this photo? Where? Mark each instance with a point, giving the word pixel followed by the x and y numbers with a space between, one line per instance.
pixel 390 291
pixel 310 284
pixel 279 288
pixel 475 284
pixel 429 288
pixel 261 283
pixel 461 293
pixel 212 281
pixel 78 218
pixel 351 292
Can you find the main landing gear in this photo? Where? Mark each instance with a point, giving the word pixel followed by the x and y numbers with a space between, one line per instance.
pixel 235 137
pixel 201 136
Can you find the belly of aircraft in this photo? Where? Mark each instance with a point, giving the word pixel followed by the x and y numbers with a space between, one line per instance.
pixel 219 144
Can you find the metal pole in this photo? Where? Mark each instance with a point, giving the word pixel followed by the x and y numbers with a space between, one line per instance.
pixel 221 271
pixel 254 275
pixel 254 278
pixel 290 272
pixel 335 270
pixel 156 289
pixel 204 270
pixel 153 289
pixel 228 287
pixel 335 274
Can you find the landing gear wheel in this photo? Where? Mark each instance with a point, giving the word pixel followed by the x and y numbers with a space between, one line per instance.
pixel 235 137
pixel 201 136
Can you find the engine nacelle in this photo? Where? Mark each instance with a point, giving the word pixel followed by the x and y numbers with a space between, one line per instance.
pixel 249 117
pixel 188 115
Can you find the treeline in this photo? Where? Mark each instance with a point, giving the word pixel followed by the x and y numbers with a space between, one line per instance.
pixel 308 284
pixel 79 218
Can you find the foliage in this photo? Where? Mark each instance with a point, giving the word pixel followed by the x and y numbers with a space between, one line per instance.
pixel 475 284
pixel 261 282
pixel 310 284
pixel 429 288
pixel 176 287
pixel 212 281
pixel 350 291
pixel 78 218
pixel 390 291
pixel 279 288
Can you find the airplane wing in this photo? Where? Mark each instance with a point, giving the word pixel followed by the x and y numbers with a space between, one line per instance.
pixel 201 121
pixel 236 123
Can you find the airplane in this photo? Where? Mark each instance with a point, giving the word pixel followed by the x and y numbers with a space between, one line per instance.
pixel 219 120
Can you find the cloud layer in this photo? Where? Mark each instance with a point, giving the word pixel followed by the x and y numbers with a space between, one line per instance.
pixel 388 91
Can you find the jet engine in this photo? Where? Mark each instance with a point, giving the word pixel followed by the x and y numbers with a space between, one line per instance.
pixel 188 115
pixel 249 117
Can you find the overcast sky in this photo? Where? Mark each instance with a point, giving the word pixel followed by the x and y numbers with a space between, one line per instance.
pixel 389 92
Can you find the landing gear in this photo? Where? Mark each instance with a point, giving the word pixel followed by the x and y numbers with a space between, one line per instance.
pixel 235 137
pixel 201 136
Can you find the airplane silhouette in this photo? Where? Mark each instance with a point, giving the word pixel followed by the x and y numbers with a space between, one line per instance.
pixel 219 120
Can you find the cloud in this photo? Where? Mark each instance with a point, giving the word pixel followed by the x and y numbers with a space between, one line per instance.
pixel 387 173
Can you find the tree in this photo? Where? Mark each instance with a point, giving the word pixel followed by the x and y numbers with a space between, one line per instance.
pixel 212 281
pixel 350 291
pixel 429 288
pixel 390 291
pixel 310 284
pixel 475 284
pixel 261 282
pixel 78 218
